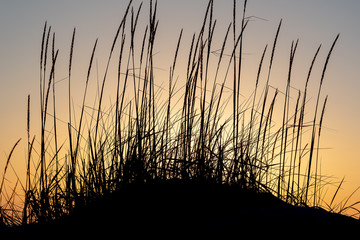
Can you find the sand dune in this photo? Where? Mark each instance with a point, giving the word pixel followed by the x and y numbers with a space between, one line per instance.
pixel 172 210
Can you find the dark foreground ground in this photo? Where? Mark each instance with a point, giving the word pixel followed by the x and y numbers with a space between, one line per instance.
pixel 189 211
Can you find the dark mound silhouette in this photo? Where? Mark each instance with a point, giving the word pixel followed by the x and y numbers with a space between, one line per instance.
pixel 173 209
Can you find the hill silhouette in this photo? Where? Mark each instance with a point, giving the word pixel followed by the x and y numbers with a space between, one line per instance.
pixel 178 208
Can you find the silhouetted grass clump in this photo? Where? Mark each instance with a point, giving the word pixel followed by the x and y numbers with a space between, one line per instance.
pixel 146 139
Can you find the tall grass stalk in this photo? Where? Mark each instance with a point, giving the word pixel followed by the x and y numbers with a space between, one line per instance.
pixel 314 121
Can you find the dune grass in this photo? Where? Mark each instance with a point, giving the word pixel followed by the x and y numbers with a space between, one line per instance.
pixel 140 140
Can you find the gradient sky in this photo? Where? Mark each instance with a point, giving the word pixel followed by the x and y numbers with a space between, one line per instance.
pixel 313 22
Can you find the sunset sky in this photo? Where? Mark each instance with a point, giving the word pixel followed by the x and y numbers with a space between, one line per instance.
pixel 312 22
